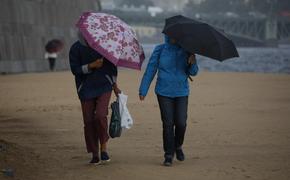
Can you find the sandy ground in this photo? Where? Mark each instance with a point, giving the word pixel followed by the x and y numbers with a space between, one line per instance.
pixel 238 128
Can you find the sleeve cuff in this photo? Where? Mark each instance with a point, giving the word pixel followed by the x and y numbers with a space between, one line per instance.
pixel 110 80
pixel 114 78
pixel 85 69
pixel 141 93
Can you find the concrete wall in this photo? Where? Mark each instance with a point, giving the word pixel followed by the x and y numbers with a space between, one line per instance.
pixel 26 26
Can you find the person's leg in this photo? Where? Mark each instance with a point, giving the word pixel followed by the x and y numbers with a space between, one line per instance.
pixel 180 117
pixel 91 137
pixel 50 64
pixel 102 121
pixel 53 64
pixel 166 106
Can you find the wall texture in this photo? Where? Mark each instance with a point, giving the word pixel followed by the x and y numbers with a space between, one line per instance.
pixel 26 26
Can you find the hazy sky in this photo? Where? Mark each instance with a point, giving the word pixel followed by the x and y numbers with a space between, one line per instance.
pixel 165 4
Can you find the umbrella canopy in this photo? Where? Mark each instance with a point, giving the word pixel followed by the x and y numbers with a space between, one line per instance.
pixel 112 38
pixel 53 46
pixel 201 38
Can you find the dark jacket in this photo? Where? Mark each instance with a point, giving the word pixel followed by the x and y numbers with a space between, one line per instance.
pixel 90 84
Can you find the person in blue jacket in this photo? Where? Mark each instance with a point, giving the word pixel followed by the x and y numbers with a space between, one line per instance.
pixel 174 65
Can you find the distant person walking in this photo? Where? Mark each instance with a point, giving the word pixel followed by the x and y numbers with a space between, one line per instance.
pixel 174 65
pixel 51 57
pixel 95 78
pixel 52 47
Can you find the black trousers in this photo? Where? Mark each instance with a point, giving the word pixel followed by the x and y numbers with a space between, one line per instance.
pixel 174 115
pixel 51 62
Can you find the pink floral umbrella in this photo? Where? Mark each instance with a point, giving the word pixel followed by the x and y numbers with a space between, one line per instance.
pixel 112 38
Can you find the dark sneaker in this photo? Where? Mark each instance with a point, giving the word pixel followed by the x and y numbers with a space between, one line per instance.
pixel 95 161
pixel 105 157
pixel 167 161
pixel 180 155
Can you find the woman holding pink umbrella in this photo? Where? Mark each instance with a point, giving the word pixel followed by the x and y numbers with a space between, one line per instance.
pixel 95 78
pixel 105 42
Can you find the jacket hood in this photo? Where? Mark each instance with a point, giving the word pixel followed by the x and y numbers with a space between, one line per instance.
pixel 169 44
pixel 167 39
pixel 82 39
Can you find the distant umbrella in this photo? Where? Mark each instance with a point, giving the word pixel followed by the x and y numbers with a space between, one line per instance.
pixel 200 38
pixel 54 45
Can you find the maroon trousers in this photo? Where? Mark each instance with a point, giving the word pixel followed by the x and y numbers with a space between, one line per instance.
pixel 95 113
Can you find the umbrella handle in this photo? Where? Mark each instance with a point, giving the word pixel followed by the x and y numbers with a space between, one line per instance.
pixel 190 78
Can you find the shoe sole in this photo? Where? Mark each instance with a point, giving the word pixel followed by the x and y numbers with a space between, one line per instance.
pixel 105 161
pixel 180 159
pixel 96 164
pixel 167 164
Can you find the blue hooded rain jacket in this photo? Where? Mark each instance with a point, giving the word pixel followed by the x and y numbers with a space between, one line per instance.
pixel 170 62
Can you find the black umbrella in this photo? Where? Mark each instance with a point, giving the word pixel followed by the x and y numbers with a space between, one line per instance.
pixel 54 45
pixel 199 37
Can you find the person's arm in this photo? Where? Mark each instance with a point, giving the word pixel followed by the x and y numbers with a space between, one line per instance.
pixel 112 73
pixel 150 72
pixel 115 84
pixel 193 68
pixel 75 63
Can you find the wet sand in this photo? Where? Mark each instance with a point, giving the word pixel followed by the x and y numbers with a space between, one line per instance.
pixel 238 128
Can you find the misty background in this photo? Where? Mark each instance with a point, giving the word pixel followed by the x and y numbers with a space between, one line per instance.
pixel 260 29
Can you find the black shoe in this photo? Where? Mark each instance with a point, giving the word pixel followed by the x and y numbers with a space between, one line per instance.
pixel 179 155
pixel 105 157
pixel 95 161
pixel 167 161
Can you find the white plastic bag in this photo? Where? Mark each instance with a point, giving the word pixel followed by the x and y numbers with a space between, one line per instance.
pixel 126 119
